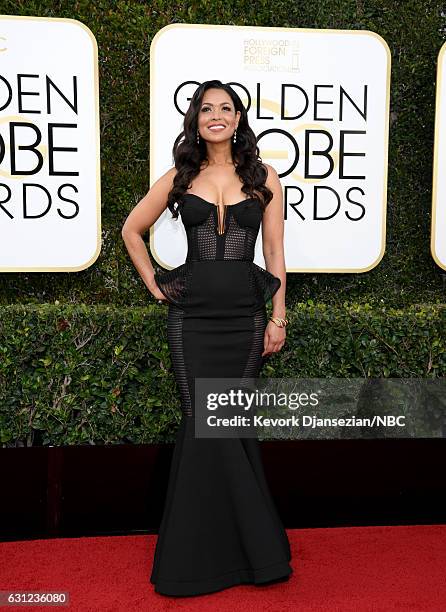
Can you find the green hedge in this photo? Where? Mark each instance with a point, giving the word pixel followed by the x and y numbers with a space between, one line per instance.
pixel 103 375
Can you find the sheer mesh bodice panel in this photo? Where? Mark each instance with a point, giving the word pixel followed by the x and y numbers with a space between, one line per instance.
pixel 241 227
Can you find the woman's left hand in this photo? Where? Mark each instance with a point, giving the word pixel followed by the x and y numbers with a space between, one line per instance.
pixel 274 338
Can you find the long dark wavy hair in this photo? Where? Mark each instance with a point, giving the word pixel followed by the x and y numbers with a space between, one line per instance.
pixel 188 155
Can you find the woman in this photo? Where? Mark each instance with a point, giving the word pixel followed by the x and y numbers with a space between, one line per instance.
pixel 220 527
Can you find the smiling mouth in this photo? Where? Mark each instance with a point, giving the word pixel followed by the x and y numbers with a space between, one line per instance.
pixel 216 128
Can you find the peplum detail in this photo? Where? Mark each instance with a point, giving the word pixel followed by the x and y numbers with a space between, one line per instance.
pixel 264 284
pixel 174 283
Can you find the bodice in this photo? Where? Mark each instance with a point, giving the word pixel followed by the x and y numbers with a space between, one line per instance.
pixel 220 231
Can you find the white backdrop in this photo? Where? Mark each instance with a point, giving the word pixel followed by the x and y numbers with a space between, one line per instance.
pixel 336 83
pixel 48 221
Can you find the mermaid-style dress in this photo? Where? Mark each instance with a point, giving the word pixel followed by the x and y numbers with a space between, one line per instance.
pixel 220 526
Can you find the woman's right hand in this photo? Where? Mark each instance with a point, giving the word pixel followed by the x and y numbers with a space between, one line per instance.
pixel 157 293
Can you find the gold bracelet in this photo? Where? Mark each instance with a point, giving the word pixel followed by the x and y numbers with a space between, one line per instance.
pixel 279 321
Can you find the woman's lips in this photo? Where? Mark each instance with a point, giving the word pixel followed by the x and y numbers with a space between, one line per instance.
pixel 216 128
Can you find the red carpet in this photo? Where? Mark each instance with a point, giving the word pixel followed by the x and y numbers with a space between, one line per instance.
pixel 360 569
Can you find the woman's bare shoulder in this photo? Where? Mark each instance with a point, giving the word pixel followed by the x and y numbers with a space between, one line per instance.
pixel 270 170
pixel 171 173
pixel 272 178
pixel 165 181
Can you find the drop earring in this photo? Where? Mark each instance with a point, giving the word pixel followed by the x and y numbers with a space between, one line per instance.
pixel 198 137
pixel 235 135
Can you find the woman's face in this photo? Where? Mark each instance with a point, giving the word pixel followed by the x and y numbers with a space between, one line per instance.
pixel 217 109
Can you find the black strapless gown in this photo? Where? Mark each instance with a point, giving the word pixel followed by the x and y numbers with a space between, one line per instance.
pixel 220 526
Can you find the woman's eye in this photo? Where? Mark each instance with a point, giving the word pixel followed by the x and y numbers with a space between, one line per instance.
pixel 205 108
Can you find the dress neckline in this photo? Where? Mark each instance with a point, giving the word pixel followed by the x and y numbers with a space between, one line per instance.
pixel 217 205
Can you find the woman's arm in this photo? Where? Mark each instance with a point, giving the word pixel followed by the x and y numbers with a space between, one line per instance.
pixel 273 252
pixel 272 235
pixel 141 218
